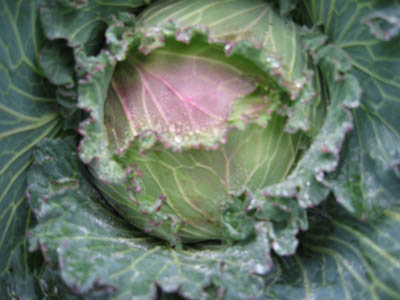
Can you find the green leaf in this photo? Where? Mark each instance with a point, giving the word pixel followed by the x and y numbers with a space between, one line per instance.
pixel 197 184
pixel 366 181
pixel 231 22
pixel 384 23
pixel 75 223
pixel 81 23
pixel 27 115
pixel 342 258
pixel 286 6
pixel 307 182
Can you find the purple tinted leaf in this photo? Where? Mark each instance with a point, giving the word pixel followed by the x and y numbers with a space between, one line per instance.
pixel 185 100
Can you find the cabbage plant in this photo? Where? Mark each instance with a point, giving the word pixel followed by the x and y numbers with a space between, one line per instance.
pixel 200 149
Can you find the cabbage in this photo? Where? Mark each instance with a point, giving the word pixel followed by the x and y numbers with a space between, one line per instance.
pixel 196 115
pixel 202 149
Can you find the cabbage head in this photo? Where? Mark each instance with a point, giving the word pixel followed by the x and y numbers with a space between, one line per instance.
pixel 198 114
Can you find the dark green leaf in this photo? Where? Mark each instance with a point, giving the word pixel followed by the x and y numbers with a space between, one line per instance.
pixel 81 23
pixel 367 180
pixel 118 259
pixel 27 114
pixel 342 258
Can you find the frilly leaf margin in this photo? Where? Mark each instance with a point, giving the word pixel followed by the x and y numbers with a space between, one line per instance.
pixel 307 185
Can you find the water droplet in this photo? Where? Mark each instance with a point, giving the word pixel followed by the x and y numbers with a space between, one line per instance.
pixel 299 84
pixel 182 37
pixel 320 176
pixel 260 269
pixel 229 49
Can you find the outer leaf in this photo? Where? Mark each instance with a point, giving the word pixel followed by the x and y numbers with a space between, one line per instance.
pixel 74 223
pixel 384 23
pixel 342 258
pixel 367 179
pixel 307 182
pixel 81 25
pixel 27 115
pixel 57 62
pixel 81 22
